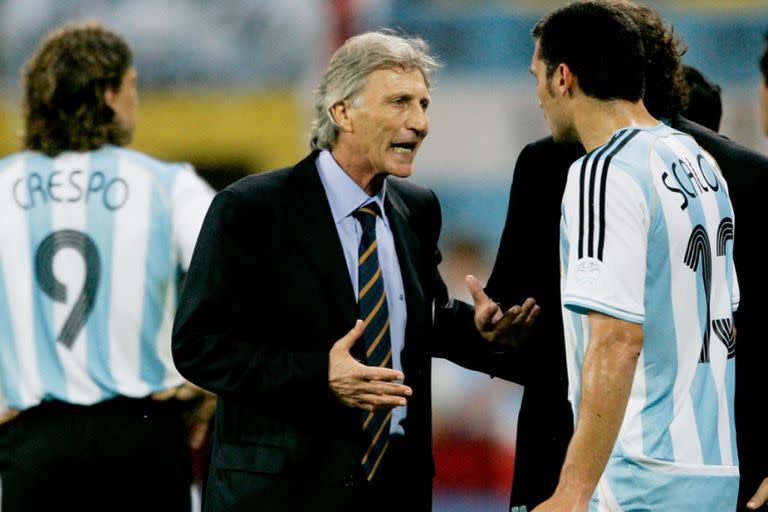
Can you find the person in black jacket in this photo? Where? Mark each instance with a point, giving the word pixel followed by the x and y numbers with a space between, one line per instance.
pixel 753 450
pixel 318 409
pixel 545 423
pixel 705 106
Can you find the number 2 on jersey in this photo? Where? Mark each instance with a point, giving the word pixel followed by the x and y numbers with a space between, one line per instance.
pixel 55 289
pixel 699 252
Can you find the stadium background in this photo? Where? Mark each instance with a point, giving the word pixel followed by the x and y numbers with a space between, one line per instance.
pixel 228 86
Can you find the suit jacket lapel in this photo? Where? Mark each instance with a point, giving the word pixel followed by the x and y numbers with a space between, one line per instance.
pixel 316 234
pixel 407 246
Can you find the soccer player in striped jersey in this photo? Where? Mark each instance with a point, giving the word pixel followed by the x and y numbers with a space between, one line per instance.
pixel 648 283
pixel 93 241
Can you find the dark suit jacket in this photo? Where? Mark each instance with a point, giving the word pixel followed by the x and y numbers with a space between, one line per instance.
pixel 267 294
pixel 528 264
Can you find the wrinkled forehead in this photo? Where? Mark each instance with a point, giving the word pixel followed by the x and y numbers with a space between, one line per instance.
pixel 396 77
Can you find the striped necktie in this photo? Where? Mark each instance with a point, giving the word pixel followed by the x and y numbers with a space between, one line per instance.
pixel 372 299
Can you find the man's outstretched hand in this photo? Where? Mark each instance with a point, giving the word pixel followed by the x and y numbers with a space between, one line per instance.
pixel 369 388
pixel 507 328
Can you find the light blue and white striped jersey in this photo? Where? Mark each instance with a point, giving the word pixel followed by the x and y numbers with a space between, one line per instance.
pixel 91 249
pixel 647 237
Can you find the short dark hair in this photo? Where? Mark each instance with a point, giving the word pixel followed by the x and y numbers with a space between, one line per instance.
pixel 764 61
pixel 64 85
pixel 704 103
pixel 600 43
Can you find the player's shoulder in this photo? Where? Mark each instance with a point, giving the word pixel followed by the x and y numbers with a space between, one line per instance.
pixel 622 142
pixel 13 158
pixel 144 161
pixel 624 156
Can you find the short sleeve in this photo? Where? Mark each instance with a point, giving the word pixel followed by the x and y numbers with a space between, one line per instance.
pixel 606 221
pixel 191 198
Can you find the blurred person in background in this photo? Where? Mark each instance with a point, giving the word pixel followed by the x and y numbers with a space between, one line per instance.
pixel 750 379
pixel 318 409
pixel 93 414
pixel 650 375
pixel 705 106
pixel 545 423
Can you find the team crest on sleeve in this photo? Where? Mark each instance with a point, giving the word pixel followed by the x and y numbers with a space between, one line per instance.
pixel 588 272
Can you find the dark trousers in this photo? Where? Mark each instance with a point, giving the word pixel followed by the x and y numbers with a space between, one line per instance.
pixel 119 455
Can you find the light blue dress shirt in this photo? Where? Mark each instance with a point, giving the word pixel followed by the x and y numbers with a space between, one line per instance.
pixel 344 197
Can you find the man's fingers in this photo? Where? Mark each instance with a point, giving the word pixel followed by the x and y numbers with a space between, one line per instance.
pixel 497 315
pixel 390 388
pixel 373 401
pixel 522 315
pixel 518 317
pixel 487 315
pixel 487 312
pixel 528 312
pixel 476 289
pixel 532 315
pixel 348 340
pixel 511 318
pixel 760 497
pixel 383 374
pixel 166 394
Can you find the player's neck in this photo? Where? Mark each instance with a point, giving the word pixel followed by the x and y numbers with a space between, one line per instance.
pixel 596 121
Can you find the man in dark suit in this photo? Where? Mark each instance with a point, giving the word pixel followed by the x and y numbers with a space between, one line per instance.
pixel 545 423
pixel 318 411
pixel 750 379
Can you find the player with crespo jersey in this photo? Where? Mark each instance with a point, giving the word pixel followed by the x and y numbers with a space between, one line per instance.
pixel 93 240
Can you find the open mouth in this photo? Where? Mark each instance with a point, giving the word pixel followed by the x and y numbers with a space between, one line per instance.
pixel 404 148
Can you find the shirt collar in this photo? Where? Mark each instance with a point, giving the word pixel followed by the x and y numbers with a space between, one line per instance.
pixel 344 195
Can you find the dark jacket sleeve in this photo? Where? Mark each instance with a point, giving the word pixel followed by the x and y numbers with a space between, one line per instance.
pixel 527 263
pixel 224 337
pixel 454 334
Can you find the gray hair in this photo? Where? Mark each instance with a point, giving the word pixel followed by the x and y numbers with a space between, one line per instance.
pixel 350 66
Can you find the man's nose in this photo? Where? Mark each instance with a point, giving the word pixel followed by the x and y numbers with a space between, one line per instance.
pixel 418 120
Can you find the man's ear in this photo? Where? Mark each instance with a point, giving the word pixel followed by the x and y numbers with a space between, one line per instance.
pixel 109 97
pixel 564 79
pixel 340 112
